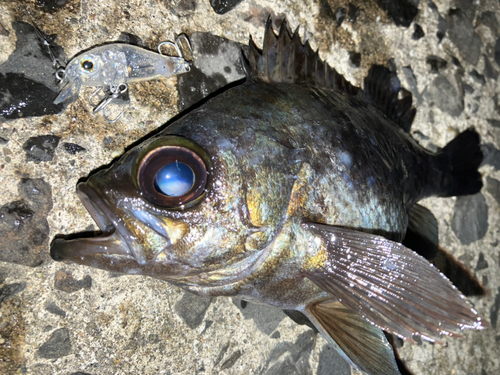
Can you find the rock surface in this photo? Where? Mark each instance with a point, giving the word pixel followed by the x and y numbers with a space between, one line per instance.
pixel 62 319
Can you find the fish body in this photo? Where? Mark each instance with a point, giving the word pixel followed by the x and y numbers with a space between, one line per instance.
pixel 299 196
pixel 114 64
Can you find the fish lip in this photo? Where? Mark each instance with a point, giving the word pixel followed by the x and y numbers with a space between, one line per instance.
pixel 113 239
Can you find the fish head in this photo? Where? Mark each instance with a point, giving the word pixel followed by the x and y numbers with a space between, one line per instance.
pixel 187 207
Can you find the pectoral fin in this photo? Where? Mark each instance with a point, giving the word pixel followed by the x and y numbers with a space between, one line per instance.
pixel 70 91
pixel 388 284
pixel 363 345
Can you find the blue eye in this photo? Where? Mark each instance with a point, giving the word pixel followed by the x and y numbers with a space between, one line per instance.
pixel 173 176
pixel 174 179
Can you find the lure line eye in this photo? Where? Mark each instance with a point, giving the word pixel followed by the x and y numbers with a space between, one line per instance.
pixel 174 179
pixel 88 65
pixel 172 176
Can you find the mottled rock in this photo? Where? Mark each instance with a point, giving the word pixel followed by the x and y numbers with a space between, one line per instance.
pixel 27 85
pixel 223 6
pixel 51 5
pixel 212 54
pixel 352 13
pixel 67 283
pixel 192 309
pixel 489 19
pixel 73 148
pixel 446 96
pixel 10 290
pixel 24 230
pixel 131 39
pixel 479 78
pixel 332 363
pixel 266 318
pixel 481 263
pixel 489 70
pixel 412 83
pixel 442 25
pixel 495 308
pixel 3 141
pixel 275 335
pixel 54 309
pixel 340 14
pixel 493 187
pixel 470 218
pixel 497 51
pixel 401 12
pixel 228 363
pixel 57 346
pixel 461 32
pixel 436 63
pixel 41 149
pixel 491 155
pixel 418 32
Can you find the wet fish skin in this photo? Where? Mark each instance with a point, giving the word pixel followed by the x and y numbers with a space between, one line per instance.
pixel 302 181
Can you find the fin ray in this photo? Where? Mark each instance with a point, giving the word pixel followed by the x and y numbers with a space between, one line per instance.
pixel 389 285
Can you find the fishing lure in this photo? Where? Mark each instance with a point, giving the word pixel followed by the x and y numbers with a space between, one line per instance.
pixel 112 66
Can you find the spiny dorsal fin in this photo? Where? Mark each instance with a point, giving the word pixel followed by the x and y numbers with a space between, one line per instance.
pixel 284 59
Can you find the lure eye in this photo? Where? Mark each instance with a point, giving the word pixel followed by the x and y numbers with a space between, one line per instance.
pixel 171 176
pixel 87 65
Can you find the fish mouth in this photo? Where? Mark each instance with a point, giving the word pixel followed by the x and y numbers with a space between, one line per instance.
pixel 111 241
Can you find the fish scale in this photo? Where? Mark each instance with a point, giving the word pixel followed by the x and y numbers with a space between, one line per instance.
pixel 302 185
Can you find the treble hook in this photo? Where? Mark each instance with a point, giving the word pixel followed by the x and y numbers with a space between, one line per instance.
pixel 114 92
pixel 177 45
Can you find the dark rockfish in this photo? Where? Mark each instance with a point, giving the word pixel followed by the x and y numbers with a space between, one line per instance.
pixel 295 190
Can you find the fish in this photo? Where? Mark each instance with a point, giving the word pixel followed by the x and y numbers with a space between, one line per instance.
pixel 293 189
pixel 113 64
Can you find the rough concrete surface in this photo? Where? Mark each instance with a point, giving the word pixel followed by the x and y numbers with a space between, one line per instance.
pixel 65 319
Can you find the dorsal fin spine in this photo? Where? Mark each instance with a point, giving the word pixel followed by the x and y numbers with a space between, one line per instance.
pixel 284 59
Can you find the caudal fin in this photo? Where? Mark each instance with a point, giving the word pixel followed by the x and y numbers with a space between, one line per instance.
pixel 462 157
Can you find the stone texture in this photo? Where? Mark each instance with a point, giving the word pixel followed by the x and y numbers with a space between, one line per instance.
pixel 24 230
pixel 41 149
pixel 192 309
pixel 461 32
pixel 446 96
pixel 470 218
pixel 57 346
pixel 65 282
pixel 129 324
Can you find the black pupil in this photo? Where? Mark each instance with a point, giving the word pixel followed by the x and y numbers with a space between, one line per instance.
pixel 87 65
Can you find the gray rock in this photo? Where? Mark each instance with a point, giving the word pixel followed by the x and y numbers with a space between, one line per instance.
pixel 65 282
pixel 41 149
pixel 461 32
pixel 54 309
pixel 489 19
pixel 332 363
pixel 230 362
pixel 73 148
pixel 479 78
pixel 446 96
pixel 481 263
pixel 10 290
pixel 418 32
pixel 57 346
pixel 491 155
pixel 192 309
pixel 493 187
pixel 489 71
pixel 412 83
pixel 495 308
pixel 436 63
pixel 223 6
pixel 470 218
pixel 24 230
pixel 497 51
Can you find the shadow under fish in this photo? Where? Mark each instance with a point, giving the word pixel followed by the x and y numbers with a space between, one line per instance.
pixel 294 190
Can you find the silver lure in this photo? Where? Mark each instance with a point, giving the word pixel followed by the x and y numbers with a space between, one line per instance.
pixel 114 64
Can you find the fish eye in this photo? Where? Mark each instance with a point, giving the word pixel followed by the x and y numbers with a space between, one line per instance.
pixel 87 65
pixel 172 175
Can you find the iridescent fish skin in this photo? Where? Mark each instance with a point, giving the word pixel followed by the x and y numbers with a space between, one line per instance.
pixel 116 63
pixel 302 204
